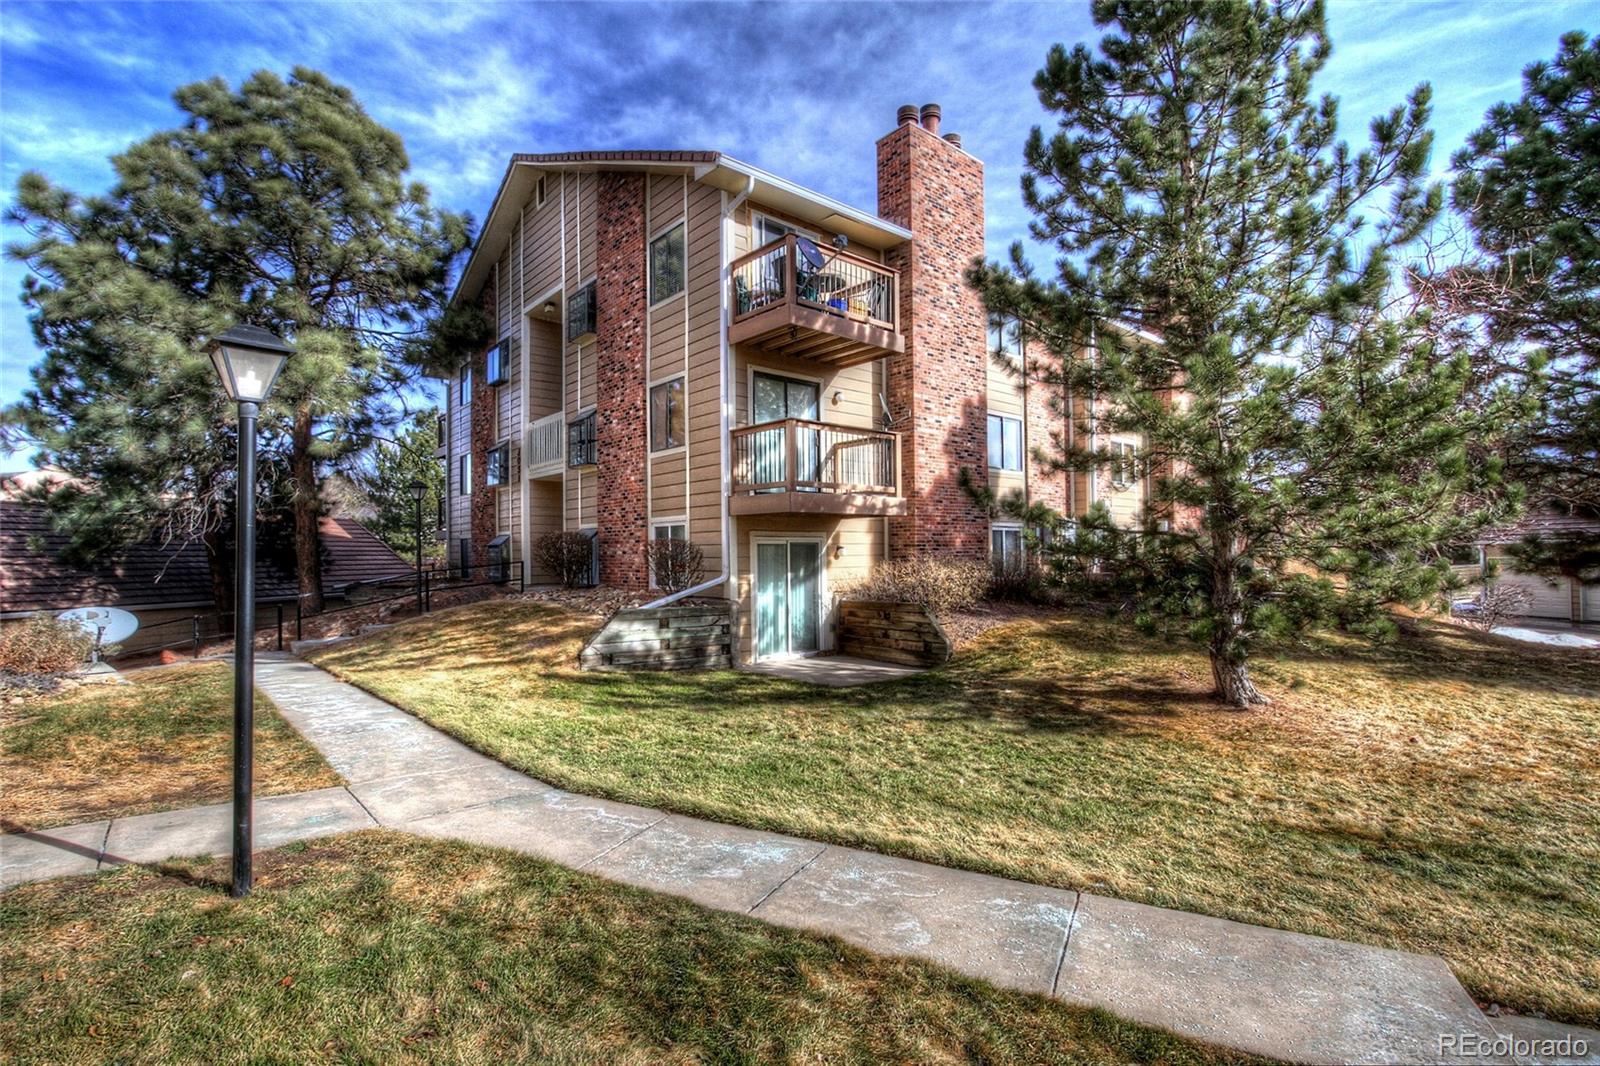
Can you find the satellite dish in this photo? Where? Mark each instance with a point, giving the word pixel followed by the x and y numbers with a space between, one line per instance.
pixel 109 625
pixel 810 253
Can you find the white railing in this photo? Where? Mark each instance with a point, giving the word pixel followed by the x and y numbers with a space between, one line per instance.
pixel 545 450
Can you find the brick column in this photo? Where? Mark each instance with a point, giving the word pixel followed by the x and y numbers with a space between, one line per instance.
pixel 620 389
pixel 482 507
pixel 937 389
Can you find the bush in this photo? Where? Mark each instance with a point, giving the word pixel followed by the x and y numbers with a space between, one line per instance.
pixel 942 587
pixel 43 645
pixel 1024 581
pixel 1494 605
pixel 566 555
pixel 675 564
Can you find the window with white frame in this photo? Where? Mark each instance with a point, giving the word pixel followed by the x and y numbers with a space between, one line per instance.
pixel 1005 337
pixel 666 415
pixel 765 229
pixel 497 364
pixel 539 192
pixel 465 395
pixel 1005 546
pixel 464 479
pixel 668 264
pixel 1005 443
pixel 1124 464
pixel 662 534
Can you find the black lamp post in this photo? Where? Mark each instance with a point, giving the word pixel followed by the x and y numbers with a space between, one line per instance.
pixel 419 489
pixel 248 359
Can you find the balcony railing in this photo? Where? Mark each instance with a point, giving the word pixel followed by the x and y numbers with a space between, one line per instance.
pixel 546 448
pixel 800 465
pixel 840 309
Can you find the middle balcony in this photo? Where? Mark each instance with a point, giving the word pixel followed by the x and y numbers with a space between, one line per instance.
pixel 797 466
pixel 793 298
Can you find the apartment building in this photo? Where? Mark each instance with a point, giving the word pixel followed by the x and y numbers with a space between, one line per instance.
pixel 690 347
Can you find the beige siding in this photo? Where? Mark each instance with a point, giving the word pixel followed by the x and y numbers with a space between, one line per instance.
pixel 703 351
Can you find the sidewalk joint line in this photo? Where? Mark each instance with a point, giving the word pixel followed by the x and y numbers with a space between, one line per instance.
pixel 1061 962
pixel 602 854
pixel 363 806
pixel 798 870
pixel 100 856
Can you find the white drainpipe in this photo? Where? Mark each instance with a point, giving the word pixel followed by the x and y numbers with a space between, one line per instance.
pixel 727 417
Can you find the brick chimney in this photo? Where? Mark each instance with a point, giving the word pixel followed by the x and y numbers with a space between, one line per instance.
pixel 937 392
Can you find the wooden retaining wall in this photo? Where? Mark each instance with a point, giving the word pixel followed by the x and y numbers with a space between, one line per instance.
pixel 892 632
pixel 689 637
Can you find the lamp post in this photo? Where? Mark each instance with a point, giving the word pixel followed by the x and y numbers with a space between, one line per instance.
pixel 419 489
pixel 248 359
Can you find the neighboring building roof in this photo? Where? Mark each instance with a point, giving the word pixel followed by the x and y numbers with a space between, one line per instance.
pixel 1545 524
pixel 714 168
pixel 14 485
pixel 33 576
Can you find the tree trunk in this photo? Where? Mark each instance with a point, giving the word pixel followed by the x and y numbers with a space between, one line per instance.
pixel 1232 679
pixel 219 566
pixel 307 513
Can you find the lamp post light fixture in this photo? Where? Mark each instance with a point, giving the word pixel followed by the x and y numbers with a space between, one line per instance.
pixel 248 359
pixel 418 490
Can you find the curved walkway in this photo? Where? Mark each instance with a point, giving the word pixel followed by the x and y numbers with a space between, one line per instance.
pixel 1265 991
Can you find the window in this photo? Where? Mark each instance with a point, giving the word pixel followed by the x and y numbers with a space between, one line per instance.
pixel 667 264
pixel 666 415
pixel 1005 546
pixel 499 552
pixel 663 561
pixel 464 475
pixel 1005 337
pixel 497 465
pixel 539 192
pixel 465 395
pixel 1124 464
pixel 1005 443
pixel 581 441
pixel 581 314
pixel 496 364
pixel 464 550
pixel 765 230
pixel 1464 555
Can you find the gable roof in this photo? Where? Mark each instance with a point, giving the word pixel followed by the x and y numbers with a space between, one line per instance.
pixel 714 168
pixel 33 576
pixel 1542 524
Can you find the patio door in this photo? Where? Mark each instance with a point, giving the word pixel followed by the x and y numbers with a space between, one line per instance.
pixel 788 597
pixel 772 399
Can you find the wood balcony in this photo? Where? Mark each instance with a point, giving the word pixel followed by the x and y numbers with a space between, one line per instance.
pixel 814 303
pixel 796 466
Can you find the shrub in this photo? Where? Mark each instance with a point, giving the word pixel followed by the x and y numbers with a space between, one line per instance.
pixel 1494 605
pixel 675 564
pixel 1023 581
pixel 43 645
pixel 943 587
pixel 566 555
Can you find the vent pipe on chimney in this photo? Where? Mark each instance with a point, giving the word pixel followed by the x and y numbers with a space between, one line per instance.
pixel 906 115
pixel 930 118
pixel 954 139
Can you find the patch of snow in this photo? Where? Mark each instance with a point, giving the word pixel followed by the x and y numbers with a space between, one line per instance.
pixel 1534 636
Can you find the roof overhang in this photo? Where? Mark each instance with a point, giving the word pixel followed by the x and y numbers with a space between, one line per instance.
pixel 715 169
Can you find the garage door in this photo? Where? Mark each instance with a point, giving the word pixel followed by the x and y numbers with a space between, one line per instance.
pixel 1549 601
pixel 1591 603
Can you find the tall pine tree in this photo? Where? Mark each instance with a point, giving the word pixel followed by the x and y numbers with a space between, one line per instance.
pixel 1306 449
pixel 281 204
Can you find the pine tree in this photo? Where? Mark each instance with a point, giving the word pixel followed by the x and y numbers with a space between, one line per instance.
pixel 385 480
pixel 281 204
pixel 1306 448
pixel 1528 183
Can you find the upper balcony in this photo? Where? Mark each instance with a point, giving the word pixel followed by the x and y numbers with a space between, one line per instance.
pixel 797 466
pixel 795 299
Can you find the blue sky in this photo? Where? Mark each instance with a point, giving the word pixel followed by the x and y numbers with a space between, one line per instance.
pixel 800 89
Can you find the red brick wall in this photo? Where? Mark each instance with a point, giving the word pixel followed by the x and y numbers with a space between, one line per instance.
pixel 937 391
pixel 620 385
pixel 482 507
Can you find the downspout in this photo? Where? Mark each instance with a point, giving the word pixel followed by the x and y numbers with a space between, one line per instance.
pixel 723 279
pixel 1094 471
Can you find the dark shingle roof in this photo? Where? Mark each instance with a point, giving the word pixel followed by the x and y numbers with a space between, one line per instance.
pixel 1544 524
pixel 34 577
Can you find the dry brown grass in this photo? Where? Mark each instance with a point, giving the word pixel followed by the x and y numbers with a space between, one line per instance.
pixel 1435 795
pixel 162 741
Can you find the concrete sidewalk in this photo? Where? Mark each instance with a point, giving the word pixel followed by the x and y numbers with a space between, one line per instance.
pixel 1260 990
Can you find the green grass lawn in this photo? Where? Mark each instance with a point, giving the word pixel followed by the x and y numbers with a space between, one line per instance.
pixel 164 740
pixel 1437 795
pixel 379 947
